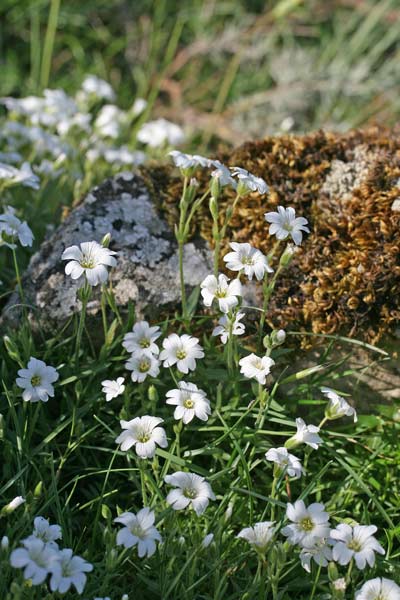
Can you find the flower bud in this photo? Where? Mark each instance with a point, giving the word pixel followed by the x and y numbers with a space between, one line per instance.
pixel 287 255
pixel 215 187
pixel 125 597
pixel 105 242
pixel 213 205
pixel 13 505
pixel 228 512
pixel 207 540
pixel 153 394
pixel 5 542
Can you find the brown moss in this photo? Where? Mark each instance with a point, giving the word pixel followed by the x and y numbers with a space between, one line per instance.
pixel 346 277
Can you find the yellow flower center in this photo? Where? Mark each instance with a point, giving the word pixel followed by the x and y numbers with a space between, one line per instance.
pixel 354 545
pixel 188 403
pixel 144 437
pixel 180 354
pixel 144 366
pixel 144 343
pixel 36 380
pixel 220 293
pixel 87 262
pixel 190 493
pixel 306 524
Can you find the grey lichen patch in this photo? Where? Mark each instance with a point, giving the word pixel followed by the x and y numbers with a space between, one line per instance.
pixel 147 262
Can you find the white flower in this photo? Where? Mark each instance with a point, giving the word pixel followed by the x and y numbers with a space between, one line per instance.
pixel 90 260
pixel 139 531
pixel 13 505
pixel 11 229
pixel 98 87
pixel 190 402
pixel 309 524
pixel 138 106
pixel 42 530
pixel 143 364
pixel 144 434
pixel 260 535
pixel 321 553
pixel 113 388
pixel 79 120
pixel 160 132
pixel 108 121
pixel 123 156
pixel 285 462
pixel 69 570
pixel 285 223
pixel 249 182
pixel 229 325
pixel 24 175
pixel 142 337
pixel 337 406
pixel 254 367
pixel 181 350
pixel 36 381
pixel 227 294
pixel 189 161
pixel 207 540
pixel 379 589
pixel 248 259
pixel 222 174
pixel 191 490
pixel 355 542
pixel 37 558
pixel 306 434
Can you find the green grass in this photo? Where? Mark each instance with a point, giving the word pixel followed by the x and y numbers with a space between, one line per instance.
pixel 228 71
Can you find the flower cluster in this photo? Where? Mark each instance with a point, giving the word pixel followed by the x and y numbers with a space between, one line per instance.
pixel 40 556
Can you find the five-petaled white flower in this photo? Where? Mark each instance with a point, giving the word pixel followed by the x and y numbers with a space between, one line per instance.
pixel 143 364
pixel 181 350
pixel 284 223
pixel 69 571
pixel 256 367
pixel 337 406
pixel 12 229
pixel 36 381
pixel 144 434
pixel 309 524
pixel 90 260
pixel 142 337
pixel 42 530
pixel 113 388
pixel 191 490
pixel 284 461
pixel 320 552
pixel 190 402
pixel 248 182
pixel 306 434
pixel 247 259
pixel 379 588
pixel 356 542
pixel 36 557
pixel 139 531
pixel 259 535
pixel 229 325
pixel 227 293
pixel 187 162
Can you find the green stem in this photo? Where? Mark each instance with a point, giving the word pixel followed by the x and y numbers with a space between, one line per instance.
pixel 324 420
pixel 314 589
pixel 182 280
pixel 84 299
pixel 18 276
pixel 49 42
pixel 217 246
pixel 273 493
pixel 142 470
pixel 349 570
pixel 268 288
pixel 103 312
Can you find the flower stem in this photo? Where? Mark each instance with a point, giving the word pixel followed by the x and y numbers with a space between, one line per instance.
pixel 18 278
pixel 324 420
pixel 182 280
pixel 315 582
pixel 85 295
pixel 142 470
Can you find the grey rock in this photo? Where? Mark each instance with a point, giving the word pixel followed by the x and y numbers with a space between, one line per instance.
pixel 147 260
